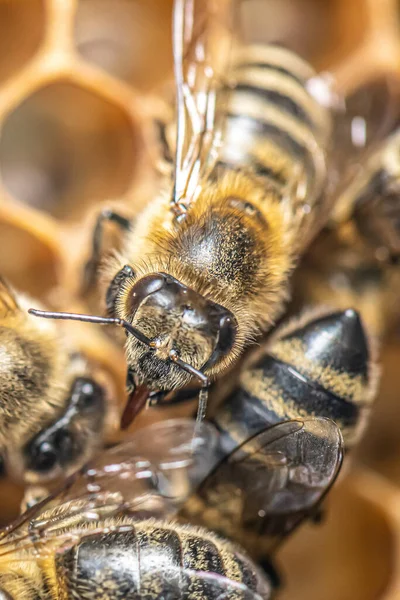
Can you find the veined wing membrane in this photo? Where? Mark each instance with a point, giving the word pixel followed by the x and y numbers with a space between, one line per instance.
pixel 202 39
pixel 271 483
pixel 148 476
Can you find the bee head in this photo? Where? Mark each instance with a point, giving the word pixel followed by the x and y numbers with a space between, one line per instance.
pixel 69 441
pixel 52 411
pixel 181 324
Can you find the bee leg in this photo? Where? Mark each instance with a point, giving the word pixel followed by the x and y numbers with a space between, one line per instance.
pixel 125 273
pixel 161 130
pixel 156 398
pixel 130 383
pixel 32 496
pixel 91 267
pixel 272 573
pixel 202 406
pixel 318 515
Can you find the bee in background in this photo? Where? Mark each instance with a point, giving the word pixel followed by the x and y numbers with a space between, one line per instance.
pixel 369 206
pixel 54 405
pixel 109 533
pixel 266 487
pixel 205 268
pixel 354 262
pixel 322 364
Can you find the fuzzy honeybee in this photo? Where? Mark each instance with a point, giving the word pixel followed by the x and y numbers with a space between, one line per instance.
pixel 110 532
pixel 206 267
pixel 370 203
pixel 54 404
pixel 321 364
pixel 266 487
pixel 354 262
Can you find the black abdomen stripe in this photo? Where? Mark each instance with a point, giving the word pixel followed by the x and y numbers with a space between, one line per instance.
pixel 274 58
pixel 274 124
pixel 288 395
pixel 280 100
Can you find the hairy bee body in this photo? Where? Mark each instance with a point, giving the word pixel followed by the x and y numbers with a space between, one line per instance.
pixel 355 261
pixel 121 557
pixel 53 406
pixel 321 365
pixel 241 237
pixel 159 559
pixel 318 366
pixel 370 202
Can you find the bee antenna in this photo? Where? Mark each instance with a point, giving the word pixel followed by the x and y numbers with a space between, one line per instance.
pixel 93 319
pixel 205 383
pixel 173 355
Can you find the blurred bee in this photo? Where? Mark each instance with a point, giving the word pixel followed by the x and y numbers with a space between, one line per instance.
pixel 206 267
pixel 355 260
pixel 322 364
pixel 266 487
pixel 109 532
pixel 370 203
pixel 54 405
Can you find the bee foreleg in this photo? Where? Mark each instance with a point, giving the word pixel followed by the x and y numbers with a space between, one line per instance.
pixel 156 398
pixel 167 154
pixel 130 383
pixel 273 574
pixel 318 515
pixel 115 286
pixel 91 267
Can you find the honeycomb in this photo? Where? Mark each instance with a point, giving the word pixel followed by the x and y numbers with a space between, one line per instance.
pixel 79 82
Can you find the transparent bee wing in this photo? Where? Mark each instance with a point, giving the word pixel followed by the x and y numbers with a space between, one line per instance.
pixel 98 492
pixel 361 121
pixel 148 476
pixel 201 43
pixel 270 483
pixel 182 451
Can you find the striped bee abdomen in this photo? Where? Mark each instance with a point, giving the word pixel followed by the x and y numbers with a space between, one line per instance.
pixel 275 127
pixel 149 559
pixel 320 367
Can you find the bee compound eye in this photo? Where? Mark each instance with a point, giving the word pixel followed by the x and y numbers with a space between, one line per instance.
pixel 44 457
pixel 63 444
pixel 51 448
pixel 91 395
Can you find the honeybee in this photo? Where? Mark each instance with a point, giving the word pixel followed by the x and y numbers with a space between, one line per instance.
pixel 370 203
pixel 206 266
pixel 321 364
pixel 54 404
pixel 267 486
pixel 355 260
pixel 110 532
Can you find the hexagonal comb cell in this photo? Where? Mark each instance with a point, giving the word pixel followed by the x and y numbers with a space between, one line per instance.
pixel 321 32
pixel 30 256
pixel 354 553
pixel 130 39
pixel 66 147
pixel 22 26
